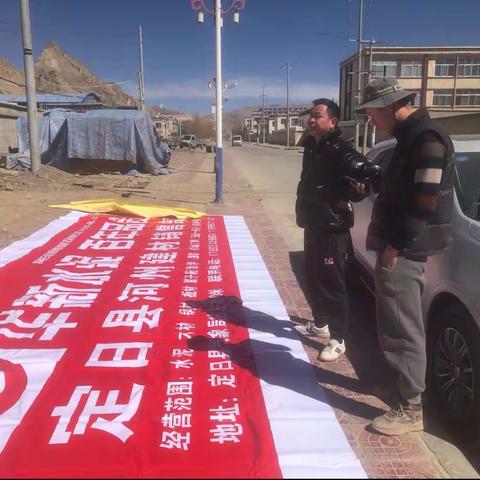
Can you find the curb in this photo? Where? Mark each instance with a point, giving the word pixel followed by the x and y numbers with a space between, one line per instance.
pixel 275 147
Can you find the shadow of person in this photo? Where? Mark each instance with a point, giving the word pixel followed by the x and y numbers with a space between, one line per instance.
pixel 231 309
pixel 274 363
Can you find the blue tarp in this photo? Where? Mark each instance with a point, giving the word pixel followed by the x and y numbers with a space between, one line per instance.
pixel 122 135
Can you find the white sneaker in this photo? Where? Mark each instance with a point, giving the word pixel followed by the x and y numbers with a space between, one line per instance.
pixel 332 351
pixel 310 330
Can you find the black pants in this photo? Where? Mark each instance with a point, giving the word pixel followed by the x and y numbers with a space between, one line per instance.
pixel 326 261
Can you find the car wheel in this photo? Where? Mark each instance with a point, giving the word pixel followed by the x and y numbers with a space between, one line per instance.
pixel 454 366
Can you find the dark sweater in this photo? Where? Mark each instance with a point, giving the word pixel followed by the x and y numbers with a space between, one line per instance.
pixel 412 211
pixel 323 192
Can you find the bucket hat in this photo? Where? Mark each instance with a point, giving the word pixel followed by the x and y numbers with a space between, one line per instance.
pixel 382 92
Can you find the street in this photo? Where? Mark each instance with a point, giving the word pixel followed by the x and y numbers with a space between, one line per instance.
pixel 260 184
pixel 273 175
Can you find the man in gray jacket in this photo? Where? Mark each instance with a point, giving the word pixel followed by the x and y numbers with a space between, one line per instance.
pixel 410 221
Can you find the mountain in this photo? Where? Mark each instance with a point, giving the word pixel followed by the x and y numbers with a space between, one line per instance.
pixel 56 71
pixel 11 79
pixel 157 110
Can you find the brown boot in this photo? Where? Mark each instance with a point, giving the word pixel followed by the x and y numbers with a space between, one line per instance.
pixel 401 420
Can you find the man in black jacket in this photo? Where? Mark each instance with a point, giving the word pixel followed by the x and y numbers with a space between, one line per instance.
pixel 410 221
pixel 324 211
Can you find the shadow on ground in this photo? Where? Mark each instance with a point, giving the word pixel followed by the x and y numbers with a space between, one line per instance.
pixel 367 360
pixel 279 366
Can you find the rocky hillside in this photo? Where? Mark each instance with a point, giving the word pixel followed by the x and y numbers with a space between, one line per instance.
pixel 11 79
pixel 57 71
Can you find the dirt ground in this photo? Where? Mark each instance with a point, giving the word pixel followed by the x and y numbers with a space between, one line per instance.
pixel 25 198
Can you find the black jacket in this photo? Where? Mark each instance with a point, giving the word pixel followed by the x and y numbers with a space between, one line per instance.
pixel 413 209
pixel 323 193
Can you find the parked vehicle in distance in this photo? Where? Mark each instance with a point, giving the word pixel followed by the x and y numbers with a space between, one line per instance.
pixel 190 141
pixel 451 300
pixel 172 142
pixel 236 141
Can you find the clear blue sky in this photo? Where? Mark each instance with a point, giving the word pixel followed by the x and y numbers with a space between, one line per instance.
pixel 179 53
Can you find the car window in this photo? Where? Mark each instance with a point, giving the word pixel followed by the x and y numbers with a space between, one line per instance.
pixel 467 165
pixel 383 159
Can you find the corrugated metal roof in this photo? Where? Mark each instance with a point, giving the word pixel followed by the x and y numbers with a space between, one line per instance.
pixel 50 98
pixel 8 97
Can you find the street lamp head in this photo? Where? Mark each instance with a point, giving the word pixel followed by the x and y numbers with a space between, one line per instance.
pixel 236 16
pixel 200 16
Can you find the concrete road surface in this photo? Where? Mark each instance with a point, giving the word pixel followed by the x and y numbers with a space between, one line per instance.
pixel 272 175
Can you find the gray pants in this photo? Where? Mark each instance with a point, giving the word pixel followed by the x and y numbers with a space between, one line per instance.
pixel 400 327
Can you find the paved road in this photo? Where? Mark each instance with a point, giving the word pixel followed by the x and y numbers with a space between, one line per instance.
pixel 273 176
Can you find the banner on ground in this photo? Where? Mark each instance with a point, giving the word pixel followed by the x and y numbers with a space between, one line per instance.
pixel 124 352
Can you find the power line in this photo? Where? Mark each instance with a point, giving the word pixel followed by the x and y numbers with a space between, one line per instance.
pixel 11 81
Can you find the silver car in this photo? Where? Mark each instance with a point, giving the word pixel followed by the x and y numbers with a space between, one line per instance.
pixel 451 300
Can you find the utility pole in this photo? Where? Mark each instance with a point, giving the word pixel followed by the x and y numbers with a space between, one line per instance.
pixel 359 70
pixel 179 122
pixel 370 71
pixel 367 121
pixel 141 83
pixel 288 68
pixel 262 96
pixel 30 86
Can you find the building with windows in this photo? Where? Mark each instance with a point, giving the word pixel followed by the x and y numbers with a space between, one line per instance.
pixel 274 117
pixel 446 79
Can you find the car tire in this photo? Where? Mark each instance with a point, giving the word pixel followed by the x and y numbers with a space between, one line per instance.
pixel 454 367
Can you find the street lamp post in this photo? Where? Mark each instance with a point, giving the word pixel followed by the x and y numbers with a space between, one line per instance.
pixel 201 8
pixel 262 96
pixel 288 68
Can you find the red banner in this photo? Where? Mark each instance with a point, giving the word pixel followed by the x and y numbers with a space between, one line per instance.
pixel 124 353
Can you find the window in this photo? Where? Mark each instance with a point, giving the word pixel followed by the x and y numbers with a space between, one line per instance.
pixel 294 122
pixel 444 68
pixel 283 121
pixel 411 69
pixel 469 67
pixel 442 98
pixel 384 69
pixel 468 97
pixel 467 165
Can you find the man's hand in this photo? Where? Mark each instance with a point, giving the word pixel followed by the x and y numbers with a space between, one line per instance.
pixel 360 188
pixel 389 257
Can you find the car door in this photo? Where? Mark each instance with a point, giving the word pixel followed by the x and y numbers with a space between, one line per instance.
pixel 363 211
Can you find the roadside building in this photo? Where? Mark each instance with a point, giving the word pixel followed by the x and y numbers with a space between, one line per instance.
pixel 273 119
pixel 446 80
pixel 170 125
pixel 80 102
pixel 9 112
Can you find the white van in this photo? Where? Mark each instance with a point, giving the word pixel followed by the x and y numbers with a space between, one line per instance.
pixel 236 140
